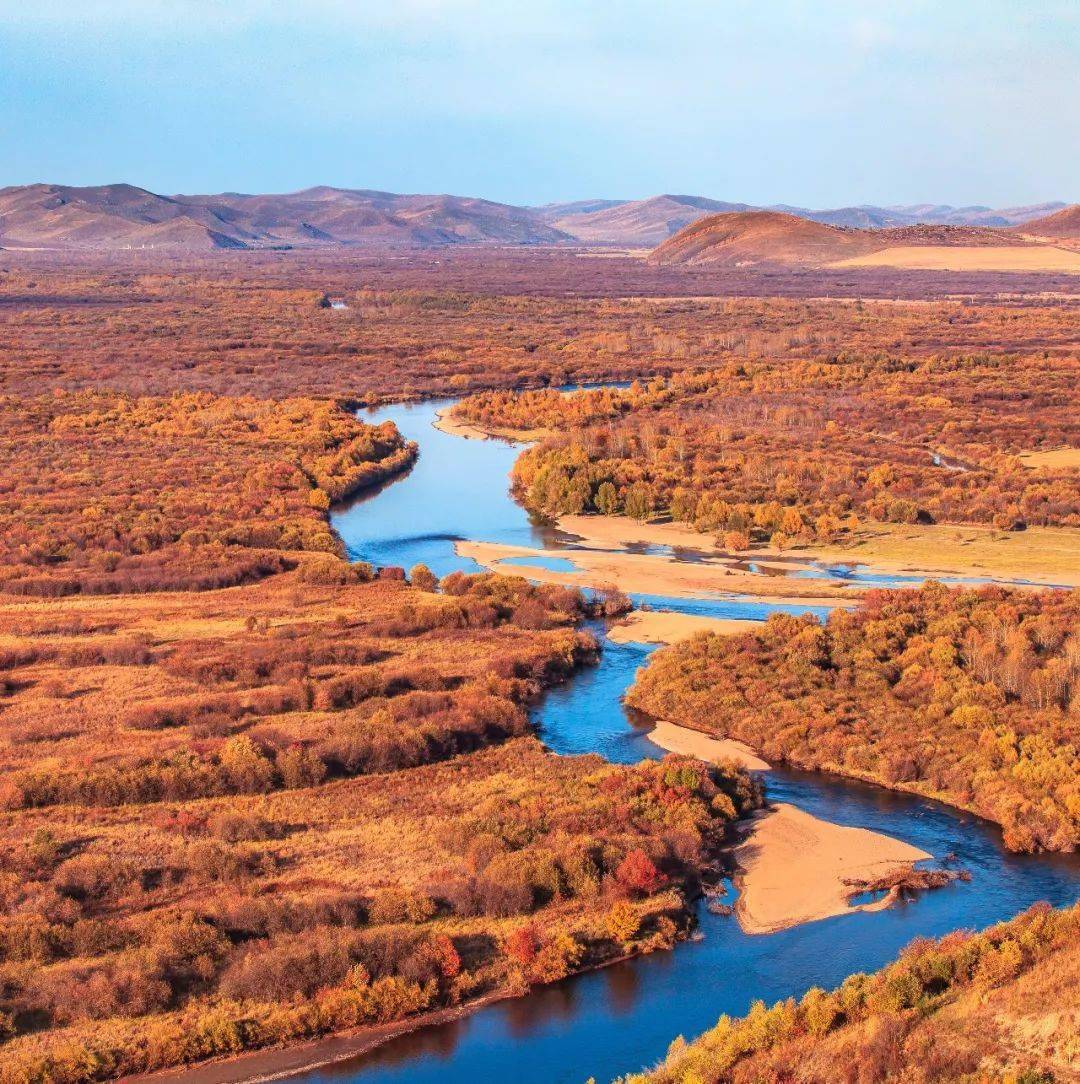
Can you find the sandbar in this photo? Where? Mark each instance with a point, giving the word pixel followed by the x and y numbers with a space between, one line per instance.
pixel 667 626
pixel 692 743
pixel 446 421
pixel 641 574
pixel 792 866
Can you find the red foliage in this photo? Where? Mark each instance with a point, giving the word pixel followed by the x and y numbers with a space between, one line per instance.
pixel 637 873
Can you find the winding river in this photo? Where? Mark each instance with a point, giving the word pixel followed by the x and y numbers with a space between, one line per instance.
pixel 623 1017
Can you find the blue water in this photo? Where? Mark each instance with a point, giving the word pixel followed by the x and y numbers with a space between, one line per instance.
pixel 457 489
pixel 720 606
pixel 623 1017
pixel 552 564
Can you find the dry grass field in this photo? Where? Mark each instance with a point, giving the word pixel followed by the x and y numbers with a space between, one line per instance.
pixel 976 258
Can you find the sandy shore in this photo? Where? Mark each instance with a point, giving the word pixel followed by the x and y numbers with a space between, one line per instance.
pixel 692 743
pixel 665 627
pixel 792 865
pixel 641 574
pixel 606 532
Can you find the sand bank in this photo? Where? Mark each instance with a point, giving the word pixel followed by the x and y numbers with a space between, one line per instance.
pixel 665 627
pixel 641 574
pixel 606 532
pixel 792 866
pixel 692 743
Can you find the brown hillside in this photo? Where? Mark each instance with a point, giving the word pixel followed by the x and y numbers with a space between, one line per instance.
pixel 746 238
pixel 750 238
pixel 1062 224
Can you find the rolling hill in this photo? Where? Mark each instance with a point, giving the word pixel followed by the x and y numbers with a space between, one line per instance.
pixel 750 238
pixel 775 239
pixel 651 221
pixel 644 222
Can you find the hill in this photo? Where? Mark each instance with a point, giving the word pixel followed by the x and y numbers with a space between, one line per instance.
pixel 1063 224
pixel 749 238
pixel 651 221
pixel 637 222
pixel 121 216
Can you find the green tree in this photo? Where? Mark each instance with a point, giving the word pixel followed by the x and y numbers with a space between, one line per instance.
pixel 607 499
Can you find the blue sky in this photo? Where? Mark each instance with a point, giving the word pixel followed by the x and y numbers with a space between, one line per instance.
pixel 820 104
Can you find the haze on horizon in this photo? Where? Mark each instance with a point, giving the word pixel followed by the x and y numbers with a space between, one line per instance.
pixel 790 102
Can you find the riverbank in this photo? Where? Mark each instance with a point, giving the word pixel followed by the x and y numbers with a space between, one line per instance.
pixel 448 422
pixel 1045 556
pixel 283 1062
pixel 792 866
pixel 666 627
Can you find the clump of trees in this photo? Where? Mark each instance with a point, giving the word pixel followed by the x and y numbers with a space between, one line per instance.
pixel 967 696
pixel 119 494
pixel 804 451
pixel 134 941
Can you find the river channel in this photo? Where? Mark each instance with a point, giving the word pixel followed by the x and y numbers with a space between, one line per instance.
pixel 622 1018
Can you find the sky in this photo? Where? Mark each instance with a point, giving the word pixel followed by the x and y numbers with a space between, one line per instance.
pixel 819 104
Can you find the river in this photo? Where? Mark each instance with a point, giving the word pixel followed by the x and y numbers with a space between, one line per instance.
pixel 623 1017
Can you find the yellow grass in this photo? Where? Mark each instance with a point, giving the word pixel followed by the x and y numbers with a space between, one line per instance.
pixel 973 258
pixel 1043 554
pixel 1059 457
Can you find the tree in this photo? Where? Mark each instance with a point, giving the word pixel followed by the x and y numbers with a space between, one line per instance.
pixel 792 523
pixel 607 499
pixel 638 501
pixel 736 541
pixel 622 922
pixel 422 578
pixel 637 873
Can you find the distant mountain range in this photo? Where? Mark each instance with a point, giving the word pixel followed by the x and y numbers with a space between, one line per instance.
pixel 122 216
